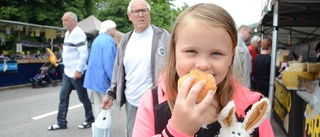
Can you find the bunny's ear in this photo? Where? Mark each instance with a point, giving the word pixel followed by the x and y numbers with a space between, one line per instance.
pixel 257 114
pixel 227 115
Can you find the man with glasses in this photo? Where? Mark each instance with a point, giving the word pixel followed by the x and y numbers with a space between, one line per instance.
pixel 242 58
pixel 140 57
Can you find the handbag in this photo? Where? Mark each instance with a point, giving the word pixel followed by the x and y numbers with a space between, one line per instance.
pixel 101 127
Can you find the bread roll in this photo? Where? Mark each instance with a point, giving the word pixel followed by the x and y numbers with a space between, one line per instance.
pixel 199 75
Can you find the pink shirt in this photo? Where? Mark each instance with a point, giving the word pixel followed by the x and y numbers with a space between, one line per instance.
pixel 144 123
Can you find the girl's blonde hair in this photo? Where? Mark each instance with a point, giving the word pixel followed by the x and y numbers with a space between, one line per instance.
pixel 212 15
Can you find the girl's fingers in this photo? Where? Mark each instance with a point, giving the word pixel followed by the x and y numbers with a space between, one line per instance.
pixel 207 100
pixel 184 88
pixel 194 91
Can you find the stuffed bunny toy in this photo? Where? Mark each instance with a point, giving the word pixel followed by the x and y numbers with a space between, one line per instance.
pixel 230 127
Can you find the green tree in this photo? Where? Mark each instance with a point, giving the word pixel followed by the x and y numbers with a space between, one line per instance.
pixel 44 12
pixel 116 10
pixel 161 13
pixel 49 12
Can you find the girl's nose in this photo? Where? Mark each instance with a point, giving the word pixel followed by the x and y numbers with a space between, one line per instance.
pixel 203 65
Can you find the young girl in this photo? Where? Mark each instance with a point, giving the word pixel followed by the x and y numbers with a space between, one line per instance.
pixel 203 38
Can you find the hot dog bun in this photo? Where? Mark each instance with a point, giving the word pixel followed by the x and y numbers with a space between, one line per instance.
pixel 199 75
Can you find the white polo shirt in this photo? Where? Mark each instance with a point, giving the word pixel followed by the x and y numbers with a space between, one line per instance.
pixel 75 52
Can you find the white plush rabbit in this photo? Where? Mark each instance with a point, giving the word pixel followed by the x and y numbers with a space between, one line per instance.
pixel 230 127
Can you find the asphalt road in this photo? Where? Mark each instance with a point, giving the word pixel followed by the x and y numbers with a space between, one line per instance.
pixel 28 112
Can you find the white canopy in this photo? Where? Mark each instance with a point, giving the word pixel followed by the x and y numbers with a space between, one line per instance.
pixel 90 25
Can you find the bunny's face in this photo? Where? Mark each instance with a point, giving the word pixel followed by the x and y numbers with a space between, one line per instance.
pixel 230 127
pixel 237 130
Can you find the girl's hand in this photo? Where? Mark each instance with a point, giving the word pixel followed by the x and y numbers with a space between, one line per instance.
pixel 187 116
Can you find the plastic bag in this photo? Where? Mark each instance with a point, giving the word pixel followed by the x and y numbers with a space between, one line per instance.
pixel 102 125
pixel 313 109
pixel 315 103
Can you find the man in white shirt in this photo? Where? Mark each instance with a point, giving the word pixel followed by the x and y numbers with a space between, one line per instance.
pixel 74 55
pixel 140 56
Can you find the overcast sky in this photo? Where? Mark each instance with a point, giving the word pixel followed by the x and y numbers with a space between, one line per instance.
pixel 244 12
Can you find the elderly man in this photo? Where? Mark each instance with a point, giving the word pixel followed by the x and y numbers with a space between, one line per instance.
pixel 242 58
pixel 100 64
pixel 140 56
pixel 254 49
pixel 74 55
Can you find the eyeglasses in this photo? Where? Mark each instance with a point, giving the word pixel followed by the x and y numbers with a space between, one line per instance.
pixel 137 12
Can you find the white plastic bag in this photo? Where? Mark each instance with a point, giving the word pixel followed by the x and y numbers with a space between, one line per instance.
pixel 313 109
pixel 102 125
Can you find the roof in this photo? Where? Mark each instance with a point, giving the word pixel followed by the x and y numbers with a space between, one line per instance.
pixel 297 19
pixel 50 32
pixel 4 23
pixel 90 25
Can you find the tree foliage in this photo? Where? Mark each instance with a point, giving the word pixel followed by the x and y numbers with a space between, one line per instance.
pixel 49 12
pixel 116 10
pixel 162 14
pixel 44 12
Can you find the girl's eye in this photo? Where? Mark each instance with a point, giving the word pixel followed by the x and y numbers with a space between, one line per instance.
pixel 216 53
pixel 191 51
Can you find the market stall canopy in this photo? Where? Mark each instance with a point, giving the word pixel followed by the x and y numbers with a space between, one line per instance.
pixel 298 21
pixel 8 26
pixel 90 25
pixel 289 22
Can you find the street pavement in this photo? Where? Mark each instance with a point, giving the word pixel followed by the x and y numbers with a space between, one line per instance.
pixel 28 112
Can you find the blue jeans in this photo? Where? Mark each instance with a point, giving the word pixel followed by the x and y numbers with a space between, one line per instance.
pixel 67 85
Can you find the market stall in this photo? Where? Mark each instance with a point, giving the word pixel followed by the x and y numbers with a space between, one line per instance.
pixel 287 109
pixel 311 126
pixel 289 23
pixel 287 105
pixel 22 76
pixel 19 65
pixel 309 92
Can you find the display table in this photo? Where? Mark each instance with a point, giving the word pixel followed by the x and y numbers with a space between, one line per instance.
pixel 311 126
pixel 26 70
pixel 288 110
pixel 23 61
